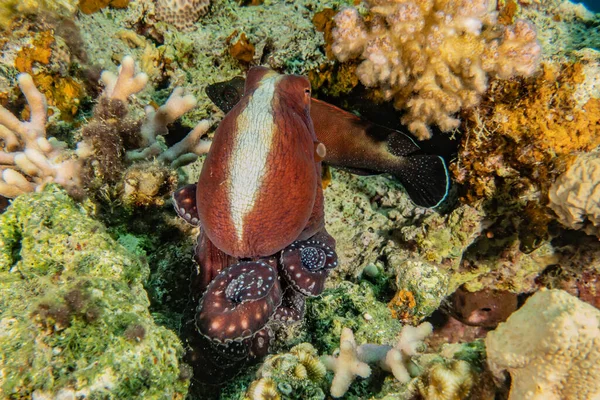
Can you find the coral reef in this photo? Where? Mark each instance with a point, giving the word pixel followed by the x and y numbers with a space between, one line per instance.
pixel 182 14
pixel 75 319
pixel 352 361
pixel 349 305
pixel 549 347
pixel 433 58
pixel 574 196
pixel 29 160
pixel 195 59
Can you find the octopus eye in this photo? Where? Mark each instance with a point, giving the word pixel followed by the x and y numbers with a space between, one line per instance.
pixel 312 258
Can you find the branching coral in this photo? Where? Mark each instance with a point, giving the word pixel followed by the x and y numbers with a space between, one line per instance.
pixel 352 360
pixel 575 196
pixel 550 347
pixel 433 57
pixel 29 159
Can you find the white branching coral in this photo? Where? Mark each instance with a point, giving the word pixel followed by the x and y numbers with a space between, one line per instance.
pixel 155 126
pixel 550 347
pixel 124 84
pixel 433 58
pixel 346 366
pixel 575 196
pixel 29 159
pixel 353 361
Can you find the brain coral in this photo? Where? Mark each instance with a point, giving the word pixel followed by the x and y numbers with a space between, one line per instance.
pixel 575 195
pixel 181 13
pixel 550 347
pixel 433 57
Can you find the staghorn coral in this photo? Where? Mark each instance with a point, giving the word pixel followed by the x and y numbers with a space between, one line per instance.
pixel 433 58
pixel 346 365
pixel 352 360
pixel 575 195
pixel 182 14
pixel 550 347
pixel 121 147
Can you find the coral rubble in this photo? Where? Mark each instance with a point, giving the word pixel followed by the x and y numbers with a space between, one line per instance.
pixel 433 58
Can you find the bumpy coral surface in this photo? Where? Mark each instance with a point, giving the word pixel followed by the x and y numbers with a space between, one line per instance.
pixel 550 347
pixel 442 51
pixel 575 196
pixel 181 13
pixel 74 318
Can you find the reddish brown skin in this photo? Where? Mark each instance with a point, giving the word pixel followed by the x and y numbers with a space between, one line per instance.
pixel 290 194
pixel 211 261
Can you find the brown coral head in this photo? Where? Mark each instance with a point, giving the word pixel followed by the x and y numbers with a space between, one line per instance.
pixel 306 264
pixel 239 302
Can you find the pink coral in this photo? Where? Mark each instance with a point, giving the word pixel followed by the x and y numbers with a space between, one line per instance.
pixel 434 57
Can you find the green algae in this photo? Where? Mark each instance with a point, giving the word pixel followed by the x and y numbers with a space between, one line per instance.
pixel 353 306
pixel 74 314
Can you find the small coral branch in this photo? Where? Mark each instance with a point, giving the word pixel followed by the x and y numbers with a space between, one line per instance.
pixel 155 126
pixel 433 58
pixel 28 159
pixel 352 361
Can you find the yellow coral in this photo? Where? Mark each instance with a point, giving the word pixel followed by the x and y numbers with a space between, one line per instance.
pixel 11 9
pixel 401 304
pixel 63 92
pixel 446 381
pixel 263 389
pixel 524 134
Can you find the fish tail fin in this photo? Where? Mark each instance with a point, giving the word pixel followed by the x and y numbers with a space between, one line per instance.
pixel 425 177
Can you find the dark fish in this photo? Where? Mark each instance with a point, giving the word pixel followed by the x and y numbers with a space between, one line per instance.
pixel 362 147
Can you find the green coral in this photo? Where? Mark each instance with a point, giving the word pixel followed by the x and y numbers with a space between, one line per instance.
pixel 74 314
pixel 441 237
pixel 425 284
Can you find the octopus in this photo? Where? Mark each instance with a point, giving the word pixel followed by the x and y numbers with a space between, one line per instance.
pixel 262 246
